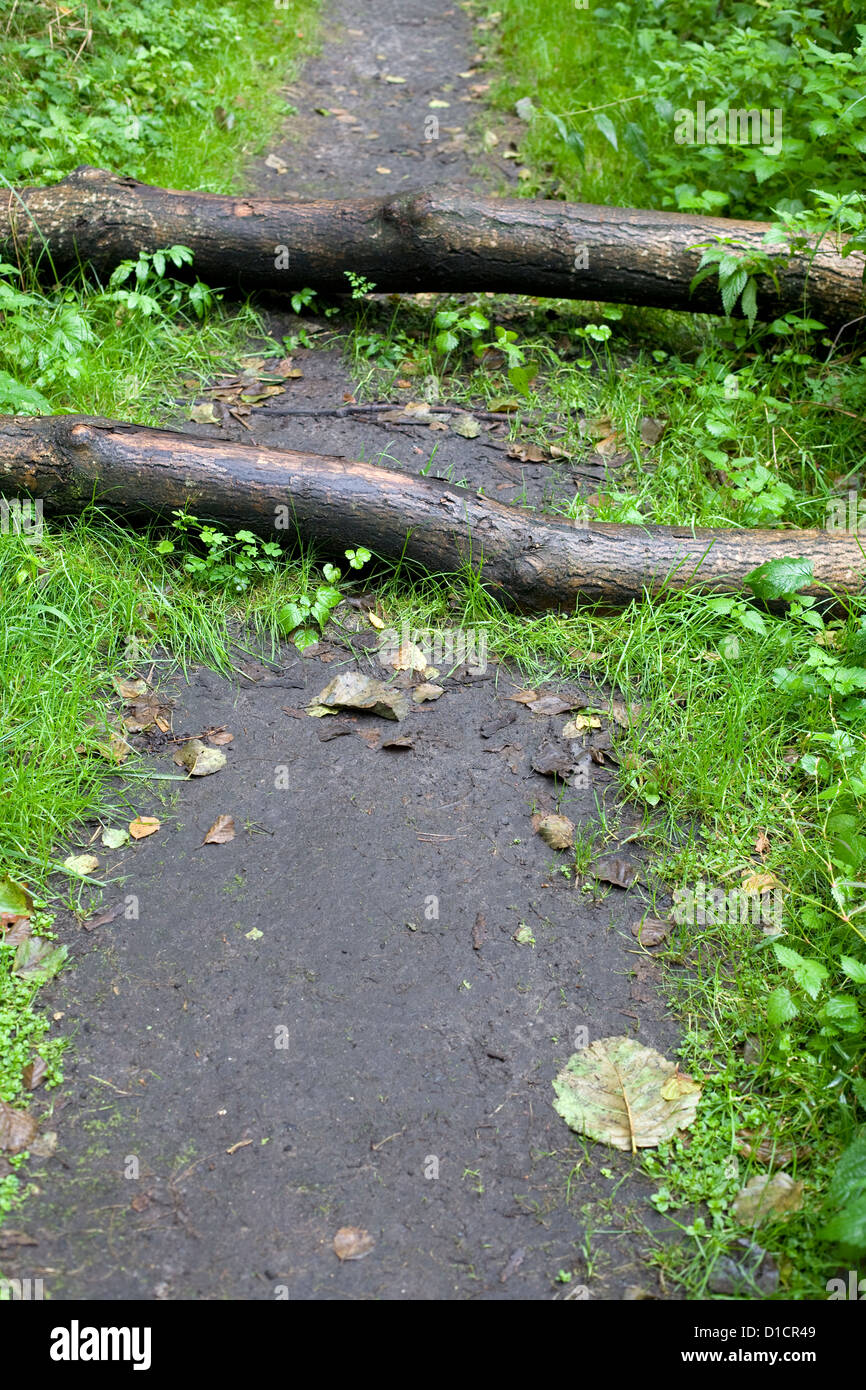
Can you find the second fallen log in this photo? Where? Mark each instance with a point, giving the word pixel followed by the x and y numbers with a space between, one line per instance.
pixel 535 563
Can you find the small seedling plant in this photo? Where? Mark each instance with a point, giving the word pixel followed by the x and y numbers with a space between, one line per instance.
pixel 306 616
pixel 224 561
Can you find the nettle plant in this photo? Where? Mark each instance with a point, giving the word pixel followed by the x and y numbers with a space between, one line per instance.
pixel 41 343
pixel 155 293
pixel 307 615
pixel 228 561
pixel 457 327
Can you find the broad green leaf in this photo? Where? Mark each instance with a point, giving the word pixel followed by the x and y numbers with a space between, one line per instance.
pixel 780 1007
pixel 846 1197
pixel 779 578
pixel 15 901
pixel 854 969
pixel 809 974
pixel 607 128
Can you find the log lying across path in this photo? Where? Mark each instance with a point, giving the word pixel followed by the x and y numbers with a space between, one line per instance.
pixel 71 460
pixel 412 242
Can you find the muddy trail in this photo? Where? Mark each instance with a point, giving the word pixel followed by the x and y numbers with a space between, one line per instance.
pixel 351 1014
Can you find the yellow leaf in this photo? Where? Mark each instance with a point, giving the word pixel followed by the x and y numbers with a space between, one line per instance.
pixel 680 1084
pixel 143 826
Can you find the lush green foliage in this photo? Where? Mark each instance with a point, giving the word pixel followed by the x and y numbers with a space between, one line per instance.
pixel 167 92
pixel 606 82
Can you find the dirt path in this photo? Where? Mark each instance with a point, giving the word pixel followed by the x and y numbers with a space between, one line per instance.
pixel 398 84
pixel 328 1021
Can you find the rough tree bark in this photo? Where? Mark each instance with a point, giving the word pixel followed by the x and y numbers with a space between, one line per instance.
pixel 412 242
pixel 71 460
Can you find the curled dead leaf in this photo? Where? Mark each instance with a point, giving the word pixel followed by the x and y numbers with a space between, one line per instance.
pixel 18 1129
pixel 198 759
pixel 651 931
pixel 351 690
pixel 222 830
pixel 352 1243
pixel 556 831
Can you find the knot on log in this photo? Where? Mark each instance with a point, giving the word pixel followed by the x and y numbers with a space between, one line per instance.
pixel 407 211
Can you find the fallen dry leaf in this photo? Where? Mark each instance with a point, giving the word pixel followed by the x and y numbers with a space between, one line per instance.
pixel 552 760
pixel 14 930
pixel 556 704
pixel 651 931
pixel 129 689
pixel 204 414
pixel 523 697
pixel 44 1145
pixel 333 728
pixel 114 837
pixel 408 657
pixel 765 1148
pixel 198 759
pixel 527 453
pixel 652 429
pixel 623 714
pixel 9 1238
pixel 34 1073
pixel 222 830
pixel 617 869
pixel 351 690
pixel 556 831
pixel 105 915
pixel 142 713
pixel 757 883
pixel 613 1091
pixel 81 863
pixel 427 692
pixel 352 1243
pixel 143 826
pixel 680 1084
pixel 17 1129
pixel 764 1198
pixel 579 725
pixel 466 426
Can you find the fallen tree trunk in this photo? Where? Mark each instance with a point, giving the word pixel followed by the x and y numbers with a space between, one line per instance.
pixel 72 460
pixel 413 242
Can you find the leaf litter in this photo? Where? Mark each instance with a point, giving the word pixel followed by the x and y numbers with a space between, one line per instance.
pixel 624 1094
